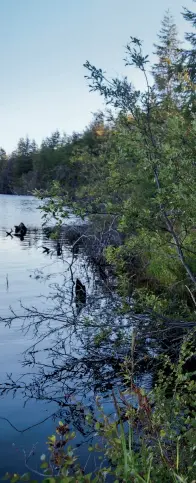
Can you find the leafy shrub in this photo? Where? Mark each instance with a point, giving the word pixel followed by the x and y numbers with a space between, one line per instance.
pixel 149 437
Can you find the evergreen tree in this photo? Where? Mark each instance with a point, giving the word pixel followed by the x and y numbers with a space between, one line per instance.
pixel 24 156
pixel 167 51
pixel 190 55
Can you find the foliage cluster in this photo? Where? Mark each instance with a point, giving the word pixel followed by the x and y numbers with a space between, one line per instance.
pixel 147 437
pixel 133 168
pixel 137 169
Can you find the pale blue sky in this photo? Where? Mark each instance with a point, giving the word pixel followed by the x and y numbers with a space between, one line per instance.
pixel 43 45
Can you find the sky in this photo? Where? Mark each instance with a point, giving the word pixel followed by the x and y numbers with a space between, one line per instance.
pixel 43 46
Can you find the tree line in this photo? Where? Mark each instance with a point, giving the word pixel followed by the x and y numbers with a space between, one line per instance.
pixel 134 166
pixel 29 166
pixel 132 171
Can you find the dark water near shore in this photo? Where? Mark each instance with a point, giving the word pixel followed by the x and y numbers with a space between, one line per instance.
pixel 25 274
pixel 46 283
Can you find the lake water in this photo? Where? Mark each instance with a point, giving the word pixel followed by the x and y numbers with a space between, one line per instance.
pixel 26 272
pixel 57 360
pixel 45 281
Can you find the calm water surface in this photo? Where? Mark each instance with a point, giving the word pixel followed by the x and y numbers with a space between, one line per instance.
pixel 29 275
pixel 26 272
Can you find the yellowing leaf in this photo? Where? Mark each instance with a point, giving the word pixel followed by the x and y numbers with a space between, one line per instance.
pixel 130 117
pixel 162 433
pixel 100 130
pixel 52 438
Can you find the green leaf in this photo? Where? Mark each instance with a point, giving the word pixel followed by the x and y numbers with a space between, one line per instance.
pixel 25 477
pixel 44 465
pixel 52 438
pixel 15 478
pixel 6 477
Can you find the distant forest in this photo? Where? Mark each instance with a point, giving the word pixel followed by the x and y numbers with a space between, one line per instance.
pixel 101 159
pixel 31 167
pixel 133 173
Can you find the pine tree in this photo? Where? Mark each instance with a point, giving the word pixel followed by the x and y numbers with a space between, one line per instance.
pixel 190 55
pixel 167 52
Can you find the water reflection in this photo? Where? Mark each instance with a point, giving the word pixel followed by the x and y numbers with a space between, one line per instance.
pixel 51 348
pixel 26 273
pixel 66 334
